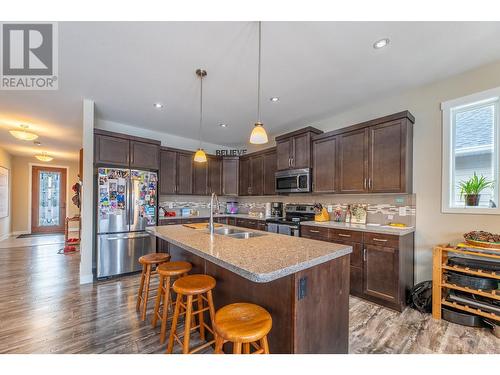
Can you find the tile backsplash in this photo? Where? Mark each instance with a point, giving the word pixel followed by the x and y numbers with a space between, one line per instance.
pixel 382 208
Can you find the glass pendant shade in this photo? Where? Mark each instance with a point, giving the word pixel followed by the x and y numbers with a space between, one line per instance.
pixel 23 135
pixel 200 156
pixel 44 157
pixel 259 134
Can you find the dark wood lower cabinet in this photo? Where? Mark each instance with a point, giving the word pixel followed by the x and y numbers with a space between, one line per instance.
pixel 381 265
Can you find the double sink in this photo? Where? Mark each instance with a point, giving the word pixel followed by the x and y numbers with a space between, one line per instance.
pixel 237 233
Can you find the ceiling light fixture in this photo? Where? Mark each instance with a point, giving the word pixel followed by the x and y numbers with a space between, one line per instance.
pixel 381 43
pixel 158 105
pixel 259 135
pixel 44 157
pixel 23 134
pixel 275 99
pixel 200 156
pixel 223 125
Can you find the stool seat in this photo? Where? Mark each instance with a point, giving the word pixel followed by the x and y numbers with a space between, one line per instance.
pixel 154 258
pixel 242 322
pixel 174 268
pixel 194 284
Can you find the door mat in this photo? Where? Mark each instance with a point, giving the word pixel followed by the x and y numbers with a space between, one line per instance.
pixel 29 235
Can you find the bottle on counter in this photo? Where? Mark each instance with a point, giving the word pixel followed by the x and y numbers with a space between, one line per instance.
pixel 348 214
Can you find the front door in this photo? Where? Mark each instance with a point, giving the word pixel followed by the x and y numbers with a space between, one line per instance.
pixel 48 199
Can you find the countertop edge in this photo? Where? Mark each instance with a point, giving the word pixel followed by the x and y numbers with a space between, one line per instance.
pixel 370 229
pixel 261 277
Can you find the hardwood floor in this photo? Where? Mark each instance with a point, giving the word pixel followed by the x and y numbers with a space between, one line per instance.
pixel 43 309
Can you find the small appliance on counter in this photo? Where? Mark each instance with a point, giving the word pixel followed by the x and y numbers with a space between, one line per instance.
pixel 231 207
pixel 276 209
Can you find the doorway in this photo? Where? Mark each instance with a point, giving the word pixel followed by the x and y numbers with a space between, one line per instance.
pixel 48 199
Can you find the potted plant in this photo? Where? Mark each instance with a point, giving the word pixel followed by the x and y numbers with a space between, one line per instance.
pixel 470 189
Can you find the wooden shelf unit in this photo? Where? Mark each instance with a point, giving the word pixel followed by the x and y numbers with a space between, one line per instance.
pixel 440 266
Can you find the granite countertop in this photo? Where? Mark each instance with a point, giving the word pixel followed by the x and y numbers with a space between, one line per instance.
pixel 259 259
pixel 382 229
pixel 242 216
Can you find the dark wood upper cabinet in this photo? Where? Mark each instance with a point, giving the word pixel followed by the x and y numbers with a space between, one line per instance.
pixel 214 175
pixel 230 167
pixel 244 176
pixel 111 150
pixel 353 161
pixel 184 173
pixel 270 167
pixel 200 178
pixel 257 175
pixel 293 150
pixel 283 151
pixel 325 165
pixel 381 273
pixel 389 170
pixel 144 155
pixel 168 172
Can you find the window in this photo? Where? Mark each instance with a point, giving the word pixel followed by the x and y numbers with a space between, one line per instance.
pixel 470 146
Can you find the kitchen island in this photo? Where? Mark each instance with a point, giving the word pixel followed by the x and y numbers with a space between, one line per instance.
pixel 303 283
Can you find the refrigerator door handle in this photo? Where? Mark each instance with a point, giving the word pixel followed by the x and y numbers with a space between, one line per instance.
pixel 128 238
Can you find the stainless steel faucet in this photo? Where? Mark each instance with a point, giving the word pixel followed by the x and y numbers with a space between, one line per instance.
pixel 213 199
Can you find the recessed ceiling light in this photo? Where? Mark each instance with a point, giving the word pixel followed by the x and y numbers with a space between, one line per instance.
pixel 274 99
pixel 381 43
pixel 223 125
pixel 158 105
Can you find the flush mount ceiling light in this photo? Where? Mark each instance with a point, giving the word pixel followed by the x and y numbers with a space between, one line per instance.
pixel 158 105
pixel 44 157
pixel 274 99
pixel 200 156
pixel 381 43
pixel 223 125
pixel 259 134
pixel 23 134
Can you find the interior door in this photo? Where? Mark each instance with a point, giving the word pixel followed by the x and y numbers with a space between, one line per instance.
pixel 48 199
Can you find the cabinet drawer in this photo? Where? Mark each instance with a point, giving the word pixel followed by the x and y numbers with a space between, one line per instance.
pixel 316 233
pixel 346 235
pixel 381 239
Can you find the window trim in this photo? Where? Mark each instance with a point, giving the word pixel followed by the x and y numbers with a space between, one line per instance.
pixel 447 140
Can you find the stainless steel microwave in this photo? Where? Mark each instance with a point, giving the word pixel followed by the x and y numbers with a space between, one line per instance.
pixel 293 181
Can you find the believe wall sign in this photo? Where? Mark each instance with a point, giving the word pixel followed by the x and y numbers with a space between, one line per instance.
pixel 230 152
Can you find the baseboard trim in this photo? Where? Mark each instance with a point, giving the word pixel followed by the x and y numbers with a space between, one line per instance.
pixel 19 232
pixel 86 279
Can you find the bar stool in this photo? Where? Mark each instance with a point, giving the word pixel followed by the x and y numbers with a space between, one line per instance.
pixel 192 287
pixel 166 272
pixel 243 324
pixel 148 261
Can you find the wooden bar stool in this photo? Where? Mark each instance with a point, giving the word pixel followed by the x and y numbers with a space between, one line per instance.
pixel 167 271
pixel 243 324
pixel 193 287
pixel 148 261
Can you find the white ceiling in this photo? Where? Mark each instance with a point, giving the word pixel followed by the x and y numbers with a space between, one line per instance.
pixel 316 68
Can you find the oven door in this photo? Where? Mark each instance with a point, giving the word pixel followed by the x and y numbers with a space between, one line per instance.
pixel 293 181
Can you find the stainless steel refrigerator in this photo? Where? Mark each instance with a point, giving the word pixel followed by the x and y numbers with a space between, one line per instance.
pixel 126 205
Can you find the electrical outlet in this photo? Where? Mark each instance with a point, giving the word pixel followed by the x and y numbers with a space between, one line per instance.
pixel 330 208
pixel 402 211
pixel 390 217
pixel 171 205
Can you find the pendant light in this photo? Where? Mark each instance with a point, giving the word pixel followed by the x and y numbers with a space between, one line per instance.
pixel 259 135
pixel 200 156
pixel 23 134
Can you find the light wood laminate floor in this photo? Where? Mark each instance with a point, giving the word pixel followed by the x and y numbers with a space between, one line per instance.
pixel 43 309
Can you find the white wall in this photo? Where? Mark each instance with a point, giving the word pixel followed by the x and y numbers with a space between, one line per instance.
pixel 166 139
pixel 433 227
pixel 6 222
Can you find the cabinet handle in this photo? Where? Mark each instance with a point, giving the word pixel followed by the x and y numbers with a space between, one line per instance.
pixel 379 240
pixel 364 183
pixel 313 231
pixel 344 235
pixel 364 255
pixel 369 183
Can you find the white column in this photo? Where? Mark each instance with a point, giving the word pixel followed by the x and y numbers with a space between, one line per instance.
pixel 87 212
